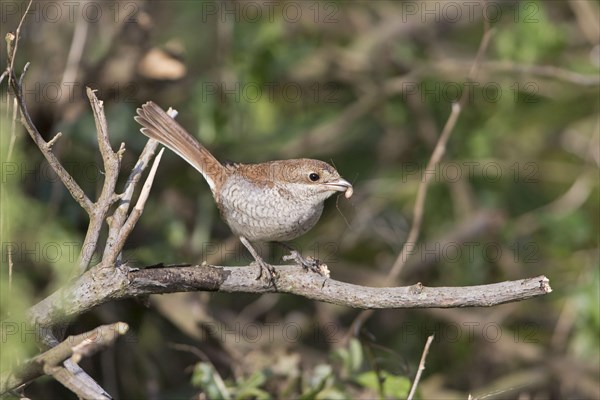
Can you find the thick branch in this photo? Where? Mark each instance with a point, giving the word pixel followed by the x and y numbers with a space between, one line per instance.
pixel 100 285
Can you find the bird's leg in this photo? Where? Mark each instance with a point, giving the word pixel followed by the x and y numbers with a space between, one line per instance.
pixel 308 263
pixel 270 270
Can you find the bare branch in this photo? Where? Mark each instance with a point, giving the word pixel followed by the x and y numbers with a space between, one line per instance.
pixel 116 221
pixel 70 380
pixel 136 213
pixel 85 381
pixel 12 42
pixel 112 164
pixel 117 235
pixel 80 34
pixel 13 131
pixel 74 347
pixel 413 389
pixel 53 140
pixel 436 156
pixel 76 192
pixel 101 284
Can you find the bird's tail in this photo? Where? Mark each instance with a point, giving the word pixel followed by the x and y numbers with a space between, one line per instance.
pixel 158 125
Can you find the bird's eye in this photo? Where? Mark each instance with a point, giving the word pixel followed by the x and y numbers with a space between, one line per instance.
pixel 314 177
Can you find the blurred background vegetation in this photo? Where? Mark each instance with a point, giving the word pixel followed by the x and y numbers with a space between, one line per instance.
pixel 367 86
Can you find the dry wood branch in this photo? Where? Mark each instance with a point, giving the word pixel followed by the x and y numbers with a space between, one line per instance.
pixel 120 225
pixel 74 348
pixel 76 192
pixel 101 284
pixel 136 213
pixel 112 164
pixel 116 221
pixel 12 42
pixel 139 206
pixel 71 375
pixel 413 388
pixel 70 380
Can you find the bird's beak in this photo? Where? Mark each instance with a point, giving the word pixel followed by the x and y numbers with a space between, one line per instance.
pixel 341 185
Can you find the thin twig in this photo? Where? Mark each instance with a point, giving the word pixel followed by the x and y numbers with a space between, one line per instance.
pixel 136 213
pixel 413 389
pixel 13 131
pixel 12 45
pixel 118 218
pixel 112 164
pixel 190 349
pixel 436 156
pixel 10 268
pixel 76 192
pixel 70 380
pixel 83 380
pixel 419 208
pixel 75 51
pixel 53 140
pixel 4 74
pixel 546 71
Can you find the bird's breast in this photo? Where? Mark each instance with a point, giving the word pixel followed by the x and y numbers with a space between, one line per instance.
pixel 267 211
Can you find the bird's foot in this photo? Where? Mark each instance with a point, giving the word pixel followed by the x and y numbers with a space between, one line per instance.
pixel 267 270
pixel 309 263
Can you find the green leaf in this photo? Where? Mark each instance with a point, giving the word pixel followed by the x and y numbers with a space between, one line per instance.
pixel 317 382
pixel 250 388
pixel 356 354
pixel 393 385
pixel 351 357
pixel 208 379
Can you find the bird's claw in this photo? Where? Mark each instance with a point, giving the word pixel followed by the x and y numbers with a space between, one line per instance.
pixel 268 270
pixel 309 263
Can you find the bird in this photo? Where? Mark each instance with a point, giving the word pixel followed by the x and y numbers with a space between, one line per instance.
pixel 273 201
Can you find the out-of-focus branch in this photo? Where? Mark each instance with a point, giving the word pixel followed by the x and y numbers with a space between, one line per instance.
pixel 51 361
pixel 436 156
pixel 421 368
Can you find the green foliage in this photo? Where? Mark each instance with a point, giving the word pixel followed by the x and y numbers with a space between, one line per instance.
pixel 350 358
pixel 532 36
pixel 586 343
pixel 208 379
pixel 342 378
pixel 393 386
